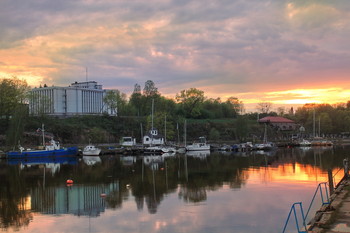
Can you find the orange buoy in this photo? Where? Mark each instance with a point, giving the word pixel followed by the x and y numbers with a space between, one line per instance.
pixel 69 181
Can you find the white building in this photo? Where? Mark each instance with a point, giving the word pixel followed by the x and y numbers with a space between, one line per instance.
pixel 83 98
pixel 153 138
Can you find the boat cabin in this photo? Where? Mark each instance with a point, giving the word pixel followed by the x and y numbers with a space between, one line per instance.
pixel 128 141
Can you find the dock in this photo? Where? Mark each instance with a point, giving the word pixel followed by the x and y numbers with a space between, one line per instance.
pixel 335 216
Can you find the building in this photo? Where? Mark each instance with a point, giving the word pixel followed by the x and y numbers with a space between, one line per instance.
pixel 80 98
pixel 153 138
pixel 279 123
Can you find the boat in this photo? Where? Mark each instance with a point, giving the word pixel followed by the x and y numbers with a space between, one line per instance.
pixel 199 146
pixel 52 149
pixel 128 142
pixel 265 145
pixel 305 143
pixel 91 150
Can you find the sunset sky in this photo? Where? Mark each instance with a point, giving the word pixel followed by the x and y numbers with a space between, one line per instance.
pixel 284 52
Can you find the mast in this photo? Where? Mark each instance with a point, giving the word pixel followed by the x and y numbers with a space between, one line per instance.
pixel 43 133
pixel 152 123
pixel 165 130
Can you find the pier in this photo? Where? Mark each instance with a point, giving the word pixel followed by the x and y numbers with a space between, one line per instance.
pixel 334 216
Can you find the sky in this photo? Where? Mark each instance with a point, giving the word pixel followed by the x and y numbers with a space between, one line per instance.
pixel 284 52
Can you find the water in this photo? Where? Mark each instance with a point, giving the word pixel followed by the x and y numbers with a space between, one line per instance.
pixel 250 192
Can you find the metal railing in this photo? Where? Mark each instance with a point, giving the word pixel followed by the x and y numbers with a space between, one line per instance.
pixel 322 189
pixel 292 209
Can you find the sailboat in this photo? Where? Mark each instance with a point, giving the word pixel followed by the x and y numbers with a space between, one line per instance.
pixel 265 145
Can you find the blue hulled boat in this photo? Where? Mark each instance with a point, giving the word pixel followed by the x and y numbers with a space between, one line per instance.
pixel 53 149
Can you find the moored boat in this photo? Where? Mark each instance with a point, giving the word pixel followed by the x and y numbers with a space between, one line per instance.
pixel 91 150
pixel 198 146
pixel 52 149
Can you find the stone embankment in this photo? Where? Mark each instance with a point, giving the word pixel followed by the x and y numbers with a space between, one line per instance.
pixel 334 217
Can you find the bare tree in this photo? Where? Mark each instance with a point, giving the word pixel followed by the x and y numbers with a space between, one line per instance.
pixel 264 107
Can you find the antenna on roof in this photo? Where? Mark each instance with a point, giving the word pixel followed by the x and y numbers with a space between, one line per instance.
pixel 86 74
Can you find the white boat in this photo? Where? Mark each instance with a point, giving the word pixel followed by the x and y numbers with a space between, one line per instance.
pixel 91 150
pixel 265 146
pixel 128 142
pixel 198 146
pixel 305 142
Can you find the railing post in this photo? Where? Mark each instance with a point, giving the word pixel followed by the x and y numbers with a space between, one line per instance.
pixel 330 182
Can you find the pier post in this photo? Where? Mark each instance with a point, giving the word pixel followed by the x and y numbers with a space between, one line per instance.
pixel 330 182
pixel 346 168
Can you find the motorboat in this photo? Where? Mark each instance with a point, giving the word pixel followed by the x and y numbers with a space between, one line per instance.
pixel 304 142
pixel 91 150
pixel 198 146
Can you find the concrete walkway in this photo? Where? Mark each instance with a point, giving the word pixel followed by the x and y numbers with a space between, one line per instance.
pixel 334 217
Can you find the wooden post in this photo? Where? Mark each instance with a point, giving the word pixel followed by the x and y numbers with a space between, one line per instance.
pixel 346 168
pixel 330 181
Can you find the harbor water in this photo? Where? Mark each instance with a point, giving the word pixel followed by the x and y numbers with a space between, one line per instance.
pixel 197 192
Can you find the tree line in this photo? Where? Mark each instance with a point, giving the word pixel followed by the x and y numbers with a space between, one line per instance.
pixel 214 118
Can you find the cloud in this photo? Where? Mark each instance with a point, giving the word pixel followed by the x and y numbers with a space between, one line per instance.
pixel 226 48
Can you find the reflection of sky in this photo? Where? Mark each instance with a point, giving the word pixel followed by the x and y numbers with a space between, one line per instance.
pixel 261 205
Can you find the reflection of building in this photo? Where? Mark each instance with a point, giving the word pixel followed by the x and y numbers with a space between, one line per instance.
pixel 83 98
pixel 77 199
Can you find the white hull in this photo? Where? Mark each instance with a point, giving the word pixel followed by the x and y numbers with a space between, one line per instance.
pixel 91 150
pixel 198 147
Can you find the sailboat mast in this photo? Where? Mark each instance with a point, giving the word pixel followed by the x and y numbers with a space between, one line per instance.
pixel 152 112
pixel 43 133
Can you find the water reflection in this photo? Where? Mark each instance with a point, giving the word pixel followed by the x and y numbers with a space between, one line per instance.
pixel 234 189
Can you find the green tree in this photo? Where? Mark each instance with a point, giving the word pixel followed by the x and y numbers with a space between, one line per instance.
pixel 191 101
pixel 150 88
pixel 236 105
pixel 116 101
pixel 13 92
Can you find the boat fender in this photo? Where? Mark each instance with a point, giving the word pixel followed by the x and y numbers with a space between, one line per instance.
pixel 103 195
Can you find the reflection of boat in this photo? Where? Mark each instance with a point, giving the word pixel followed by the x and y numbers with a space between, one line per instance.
pixel 91 150
pixel 43 160
pixel 199 146
pixel 52 163
pixel 91 160
pixel 52 149
pixel 128 160
pixel 198 154
pixel 168 155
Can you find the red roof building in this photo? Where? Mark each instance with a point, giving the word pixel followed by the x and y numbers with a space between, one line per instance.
pixel 279 123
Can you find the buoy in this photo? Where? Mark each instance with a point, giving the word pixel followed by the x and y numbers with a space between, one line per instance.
pixel 69 181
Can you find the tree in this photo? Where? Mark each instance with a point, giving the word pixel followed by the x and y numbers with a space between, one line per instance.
pixel 191 101
pixel 116 101
pixel 13 92
pixel 236 105
pixel 150 88
pixel 264 107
